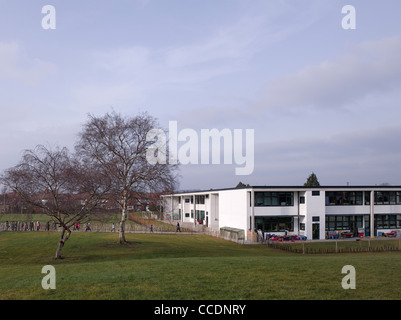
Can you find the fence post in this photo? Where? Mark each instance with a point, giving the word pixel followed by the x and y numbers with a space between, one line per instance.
pixel 336 247
pixel 303 247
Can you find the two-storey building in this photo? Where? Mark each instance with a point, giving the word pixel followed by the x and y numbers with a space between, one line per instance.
pixel 313 212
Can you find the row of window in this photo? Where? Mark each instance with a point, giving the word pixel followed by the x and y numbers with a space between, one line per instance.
pixel 384 197
pixel 353 223
pixel 265 199
pixel 198 199
pixel 339 198
pixel 333 198
pixel 200 214
pixel 274 224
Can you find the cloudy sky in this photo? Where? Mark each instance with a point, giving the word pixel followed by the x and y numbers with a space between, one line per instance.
pixel 318 97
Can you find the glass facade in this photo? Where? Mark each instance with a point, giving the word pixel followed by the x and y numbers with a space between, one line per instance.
pixel 384 197
pixel 274 224
pixel 274 199
pixel 343 198
pixel 352 223
pixel 388 221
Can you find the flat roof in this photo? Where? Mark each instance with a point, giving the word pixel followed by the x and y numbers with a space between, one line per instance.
pixel 298 188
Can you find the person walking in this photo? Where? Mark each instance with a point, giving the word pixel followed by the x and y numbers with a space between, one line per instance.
pixel 178 227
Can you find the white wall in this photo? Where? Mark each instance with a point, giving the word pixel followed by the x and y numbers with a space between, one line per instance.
pixel 214 216
pixel 315 207
pixel 233 209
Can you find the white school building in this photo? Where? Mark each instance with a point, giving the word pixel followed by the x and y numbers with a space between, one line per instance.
pixel 313 212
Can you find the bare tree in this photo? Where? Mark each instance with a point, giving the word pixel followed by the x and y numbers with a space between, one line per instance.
pixel 118 145
pixel 65 188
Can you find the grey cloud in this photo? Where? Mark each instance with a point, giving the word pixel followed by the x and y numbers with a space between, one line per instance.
pixel 371 67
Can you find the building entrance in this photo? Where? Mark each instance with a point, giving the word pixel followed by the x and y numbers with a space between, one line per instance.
pixel 315 231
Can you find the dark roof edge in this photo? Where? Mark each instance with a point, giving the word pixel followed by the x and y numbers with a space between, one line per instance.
pixel 291 187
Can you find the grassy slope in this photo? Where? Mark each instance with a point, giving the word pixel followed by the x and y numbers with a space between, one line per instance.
pixel 184 267
pixel 135 221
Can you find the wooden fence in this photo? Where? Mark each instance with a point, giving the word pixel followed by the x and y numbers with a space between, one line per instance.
pixel 338 246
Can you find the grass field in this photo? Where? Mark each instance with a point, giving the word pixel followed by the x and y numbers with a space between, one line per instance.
pixel 137 221
pixel 175 267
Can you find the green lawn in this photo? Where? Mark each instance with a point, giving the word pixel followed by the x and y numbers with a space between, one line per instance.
pixel 101 222
pixel 176 266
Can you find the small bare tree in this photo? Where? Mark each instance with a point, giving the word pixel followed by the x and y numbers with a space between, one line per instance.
pixel 118 145
pixel 66 189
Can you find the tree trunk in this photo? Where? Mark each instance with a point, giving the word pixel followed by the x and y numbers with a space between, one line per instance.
pixel 65 235
pixel 123 219
pixel 122 227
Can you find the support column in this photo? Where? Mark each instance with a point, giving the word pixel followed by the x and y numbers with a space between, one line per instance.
pixel 171 215
pixel 372 214
pixel 252 215
pixel 194 210
pixel 182 209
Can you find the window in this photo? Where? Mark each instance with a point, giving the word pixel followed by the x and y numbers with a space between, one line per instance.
pixel 266 199
pixel 200 199
pixel 186 215
pixel 274 224
pixel 315 193
pixel 393 221
pixel 352 223
pixel 367 197
pixel 388 221
pixel 301 199
pixel 340 198
pixel 384 197
pixel 330 223
pixel 316 219
pixel 187 200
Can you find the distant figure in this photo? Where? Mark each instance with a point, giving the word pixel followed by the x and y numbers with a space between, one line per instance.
pixel 113 227
pixel 178 227
pixel 37 225
pixel 88 227
pixel 151 228
pixel 48 226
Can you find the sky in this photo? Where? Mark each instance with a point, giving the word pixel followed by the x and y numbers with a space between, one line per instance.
pixel 319 97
